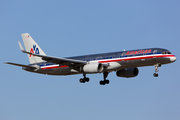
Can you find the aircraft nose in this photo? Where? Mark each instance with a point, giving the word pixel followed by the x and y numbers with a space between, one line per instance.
pixel 173 59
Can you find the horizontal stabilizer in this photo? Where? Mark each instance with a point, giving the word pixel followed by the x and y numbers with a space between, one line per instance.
pixel 27 66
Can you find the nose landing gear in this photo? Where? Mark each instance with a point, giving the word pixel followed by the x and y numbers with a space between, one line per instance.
pixel 156 70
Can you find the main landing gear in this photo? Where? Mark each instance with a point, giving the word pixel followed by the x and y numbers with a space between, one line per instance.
pixel 103 82
pixel 156 70
pixel 85 79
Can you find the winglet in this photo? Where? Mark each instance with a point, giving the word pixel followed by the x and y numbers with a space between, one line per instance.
pixel 21 47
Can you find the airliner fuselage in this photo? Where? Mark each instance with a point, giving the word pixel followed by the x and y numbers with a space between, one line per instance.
pixel 115 61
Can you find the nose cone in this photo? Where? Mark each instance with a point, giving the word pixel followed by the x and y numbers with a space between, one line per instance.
pixel 173 59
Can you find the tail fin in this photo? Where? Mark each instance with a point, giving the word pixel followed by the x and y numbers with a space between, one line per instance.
pixel 33 47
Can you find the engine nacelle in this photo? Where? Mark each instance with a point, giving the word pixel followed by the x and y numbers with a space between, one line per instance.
pixel 93 68
pixel 128 72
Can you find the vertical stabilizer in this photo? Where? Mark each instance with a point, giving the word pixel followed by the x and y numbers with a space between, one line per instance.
pixel 33 47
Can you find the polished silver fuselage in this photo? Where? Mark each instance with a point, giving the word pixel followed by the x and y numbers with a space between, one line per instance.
pixel 115 61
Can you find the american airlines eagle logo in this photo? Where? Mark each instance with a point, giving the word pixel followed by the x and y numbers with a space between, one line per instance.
pixel 34 49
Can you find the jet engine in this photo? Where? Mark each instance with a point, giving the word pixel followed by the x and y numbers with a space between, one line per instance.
pixel 93 68
pixel 128 72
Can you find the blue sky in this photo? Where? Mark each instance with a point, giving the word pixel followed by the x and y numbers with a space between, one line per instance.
pixel 70 28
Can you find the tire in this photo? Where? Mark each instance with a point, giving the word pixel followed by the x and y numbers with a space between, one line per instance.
pixel 155 74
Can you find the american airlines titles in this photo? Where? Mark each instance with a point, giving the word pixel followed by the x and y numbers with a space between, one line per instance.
pixel 138 52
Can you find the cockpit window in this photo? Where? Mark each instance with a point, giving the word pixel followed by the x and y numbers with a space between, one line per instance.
pixel 167 52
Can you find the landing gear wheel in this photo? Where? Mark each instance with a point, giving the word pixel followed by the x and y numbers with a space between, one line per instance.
pixel 82 80
pixel 155 74
pixel 102 82
pixel 87 79
pixel 106 81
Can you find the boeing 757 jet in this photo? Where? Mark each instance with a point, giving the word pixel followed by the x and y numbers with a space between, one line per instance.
pixel 124 63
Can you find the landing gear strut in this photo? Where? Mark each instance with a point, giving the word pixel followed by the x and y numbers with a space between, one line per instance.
pixel 85 79
pixel 156 70
pixel 103 82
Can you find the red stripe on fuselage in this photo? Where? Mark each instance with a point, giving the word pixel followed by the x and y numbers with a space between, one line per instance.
pixel 51 67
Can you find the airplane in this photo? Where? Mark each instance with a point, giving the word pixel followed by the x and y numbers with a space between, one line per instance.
pixel 124 63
